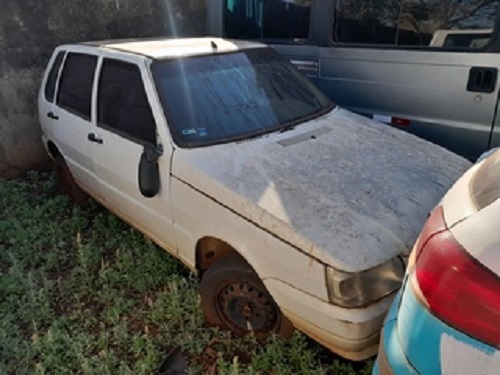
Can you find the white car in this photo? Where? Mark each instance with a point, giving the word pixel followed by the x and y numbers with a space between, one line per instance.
pixel 446 319
pixel 296 213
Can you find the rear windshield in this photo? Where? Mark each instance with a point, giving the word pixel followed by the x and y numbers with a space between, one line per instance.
pixel 486 182
pixel 227 97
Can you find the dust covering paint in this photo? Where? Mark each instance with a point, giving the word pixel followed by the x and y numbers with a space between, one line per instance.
pixel 351 191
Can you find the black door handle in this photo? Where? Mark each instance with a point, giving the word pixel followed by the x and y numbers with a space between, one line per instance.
pixel 52 115
pixel 94 138
pixel 482 79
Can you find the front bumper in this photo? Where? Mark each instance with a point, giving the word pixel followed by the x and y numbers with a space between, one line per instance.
pixel 352 333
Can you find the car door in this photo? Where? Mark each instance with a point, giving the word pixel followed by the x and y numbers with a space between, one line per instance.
pixel 126 122
pixel 71 118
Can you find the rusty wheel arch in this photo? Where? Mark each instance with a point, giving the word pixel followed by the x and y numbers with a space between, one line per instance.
pixel 211 249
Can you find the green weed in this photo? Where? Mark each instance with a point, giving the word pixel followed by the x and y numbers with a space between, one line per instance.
pixel 82 292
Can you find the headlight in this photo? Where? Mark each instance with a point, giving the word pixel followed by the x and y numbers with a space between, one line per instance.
pixel 362 288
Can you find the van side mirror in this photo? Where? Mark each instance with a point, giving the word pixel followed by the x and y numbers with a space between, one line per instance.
pixel 149 172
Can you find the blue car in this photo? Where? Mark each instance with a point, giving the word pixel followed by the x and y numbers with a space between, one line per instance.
pixel 446 317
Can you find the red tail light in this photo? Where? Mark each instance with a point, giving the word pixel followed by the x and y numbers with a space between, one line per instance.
pixel 400 121
pixel 456 287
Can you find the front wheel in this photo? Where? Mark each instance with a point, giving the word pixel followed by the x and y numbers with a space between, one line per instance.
pixel 234 298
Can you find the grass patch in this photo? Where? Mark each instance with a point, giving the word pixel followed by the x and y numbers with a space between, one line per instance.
pixel 82 292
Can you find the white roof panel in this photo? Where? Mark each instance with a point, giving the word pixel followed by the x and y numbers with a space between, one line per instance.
pixel 172 48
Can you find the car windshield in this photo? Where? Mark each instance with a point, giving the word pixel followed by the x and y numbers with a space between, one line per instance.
pixel 485 187
pixel 227 97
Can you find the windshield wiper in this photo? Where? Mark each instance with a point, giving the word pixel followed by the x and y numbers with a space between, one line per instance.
pixel 287 128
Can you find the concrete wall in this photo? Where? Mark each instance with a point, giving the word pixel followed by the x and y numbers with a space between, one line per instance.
pixel 29 31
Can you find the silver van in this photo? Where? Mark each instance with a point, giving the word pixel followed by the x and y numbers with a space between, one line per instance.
pixel 430 67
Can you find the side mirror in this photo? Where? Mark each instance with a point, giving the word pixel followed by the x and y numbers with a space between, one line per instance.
pixel 149 172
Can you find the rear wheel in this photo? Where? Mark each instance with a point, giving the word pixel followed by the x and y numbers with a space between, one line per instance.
pixel 66 183
pixel 234 298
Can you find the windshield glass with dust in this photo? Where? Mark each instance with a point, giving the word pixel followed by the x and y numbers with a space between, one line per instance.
pixel 227 97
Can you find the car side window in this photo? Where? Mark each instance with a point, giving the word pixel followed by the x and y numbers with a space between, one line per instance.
pixel 456 24
pixel 122 104
pixel 267 19
pixel 75 88
pixel 50 85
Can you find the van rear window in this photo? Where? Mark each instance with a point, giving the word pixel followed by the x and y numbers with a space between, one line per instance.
pixel 485 187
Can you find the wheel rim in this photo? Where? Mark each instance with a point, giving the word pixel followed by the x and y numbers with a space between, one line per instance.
pixel 243 307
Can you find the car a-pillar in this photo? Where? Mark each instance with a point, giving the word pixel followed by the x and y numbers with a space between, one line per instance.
pixel 233 297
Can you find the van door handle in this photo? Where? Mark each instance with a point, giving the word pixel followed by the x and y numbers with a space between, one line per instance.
pixel 482 79
pixel 306 66
pixel 92 137
pixel 52 115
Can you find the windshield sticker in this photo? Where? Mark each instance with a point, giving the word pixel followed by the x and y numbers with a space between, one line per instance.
pixel 189 131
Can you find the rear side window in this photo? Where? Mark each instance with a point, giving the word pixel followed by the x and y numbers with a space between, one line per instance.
pixel 122 105
pixel 463 25
pixel 50 86
pixel 485 187
pixel 267 19
pixel 75 89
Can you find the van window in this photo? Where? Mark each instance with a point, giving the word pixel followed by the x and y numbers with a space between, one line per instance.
pixel 457 24
pixel 267 19
pixel 50 86
pixel 122 104
pixel 75 92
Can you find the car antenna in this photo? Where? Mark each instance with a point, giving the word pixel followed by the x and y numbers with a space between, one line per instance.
pixel 214 46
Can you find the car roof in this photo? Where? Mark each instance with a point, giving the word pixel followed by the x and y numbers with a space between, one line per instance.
pixel 165 48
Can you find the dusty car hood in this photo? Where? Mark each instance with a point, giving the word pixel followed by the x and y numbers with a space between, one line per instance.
pixel 351 192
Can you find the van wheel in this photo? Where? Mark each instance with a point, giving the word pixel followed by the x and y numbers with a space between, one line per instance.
pixel 234 298
pixel 66 183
